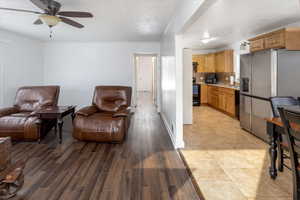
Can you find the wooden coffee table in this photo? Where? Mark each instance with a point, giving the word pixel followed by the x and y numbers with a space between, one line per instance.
pixel 57 113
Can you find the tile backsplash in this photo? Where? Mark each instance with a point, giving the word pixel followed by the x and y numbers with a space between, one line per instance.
pixel 223 77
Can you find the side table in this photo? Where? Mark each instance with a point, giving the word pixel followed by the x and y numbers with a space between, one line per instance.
pixel 58 113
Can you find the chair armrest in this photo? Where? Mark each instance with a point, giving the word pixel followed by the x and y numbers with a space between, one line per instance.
pixel 123 112
pixel 32 114
pixel 87 111
pixel 8 111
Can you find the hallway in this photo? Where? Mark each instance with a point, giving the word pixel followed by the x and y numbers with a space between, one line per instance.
pixel 228 163
pixel 145 166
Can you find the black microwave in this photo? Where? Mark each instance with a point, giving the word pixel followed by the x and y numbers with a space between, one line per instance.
pixel 211 78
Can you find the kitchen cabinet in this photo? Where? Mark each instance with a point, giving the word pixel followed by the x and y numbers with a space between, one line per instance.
pixel 200 59
pixel 257 45
pixel 204 91
pixel 201 63
pixel 228 61
pixel 286 38
pixel 210 63
pixel 275 40
pixel 213 98
pixel 222 99
pixel 220 65
pixel 224 61
pixel 215 62
pixel 230 104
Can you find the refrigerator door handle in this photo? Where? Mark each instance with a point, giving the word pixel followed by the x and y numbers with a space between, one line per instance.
pixel 255 97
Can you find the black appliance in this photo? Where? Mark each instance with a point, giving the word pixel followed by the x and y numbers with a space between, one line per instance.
pixel 196 95
pixel 195 66
pixel 211 78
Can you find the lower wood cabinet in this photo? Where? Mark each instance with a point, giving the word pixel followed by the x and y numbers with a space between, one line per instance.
pixel 230 104
pixel 214 100
pixel 204 92
pixel 222 99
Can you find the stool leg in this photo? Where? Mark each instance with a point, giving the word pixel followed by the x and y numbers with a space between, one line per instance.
pixel 280 157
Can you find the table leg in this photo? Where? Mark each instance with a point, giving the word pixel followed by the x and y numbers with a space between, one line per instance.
pixel 273 149
pixel 39 125
pixel 60 126
pixel 55 128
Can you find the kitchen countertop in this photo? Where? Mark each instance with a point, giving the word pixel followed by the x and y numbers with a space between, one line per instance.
pixel 221 85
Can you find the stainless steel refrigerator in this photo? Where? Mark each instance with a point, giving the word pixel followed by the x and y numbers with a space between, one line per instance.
pixel 265 74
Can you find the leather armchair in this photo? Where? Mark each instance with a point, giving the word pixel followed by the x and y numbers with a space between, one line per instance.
pixel 19 121
pixel 108 118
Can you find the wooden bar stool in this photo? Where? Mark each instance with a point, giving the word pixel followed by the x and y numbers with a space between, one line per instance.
pixel 282 145
pixel 291 121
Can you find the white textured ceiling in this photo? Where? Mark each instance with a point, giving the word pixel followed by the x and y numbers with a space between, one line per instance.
pixel 229 21
pixel 114 20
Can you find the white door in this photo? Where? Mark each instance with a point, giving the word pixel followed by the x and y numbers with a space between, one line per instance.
pixel 145 73
pixel 154 78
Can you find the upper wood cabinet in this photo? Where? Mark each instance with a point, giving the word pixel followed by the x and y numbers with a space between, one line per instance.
pixel 215 62
pixel 257 45
pixel 210 63
pixel 220 62
pixel 275 40
pixel 287 38
pixel 224 61
pixel 200 59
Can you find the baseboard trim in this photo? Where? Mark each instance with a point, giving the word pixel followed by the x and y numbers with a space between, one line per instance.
pixel 166 124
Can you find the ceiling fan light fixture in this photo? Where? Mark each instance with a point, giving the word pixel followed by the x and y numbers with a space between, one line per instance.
pixel 50 20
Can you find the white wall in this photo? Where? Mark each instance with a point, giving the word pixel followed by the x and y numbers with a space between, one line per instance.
pixel 79 67
pixel 21 63
pixel 145 68
pixel 172 66
pixel 187 86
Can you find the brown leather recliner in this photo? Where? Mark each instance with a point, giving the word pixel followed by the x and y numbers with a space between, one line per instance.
pixel 19 122
pixel 108 119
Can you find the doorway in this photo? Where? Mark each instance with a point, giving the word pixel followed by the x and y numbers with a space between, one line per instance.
pixel 146 77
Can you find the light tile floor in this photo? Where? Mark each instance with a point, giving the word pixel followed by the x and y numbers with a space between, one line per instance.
pixel 229 163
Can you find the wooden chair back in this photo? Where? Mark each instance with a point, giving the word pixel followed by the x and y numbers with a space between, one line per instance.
pixel 291 122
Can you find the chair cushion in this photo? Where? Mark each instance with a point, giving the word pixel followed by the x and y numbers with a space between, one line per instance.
pixel 12 124
pixel 29 99
pixel 101 123
pixel 19 126
pixel 111 98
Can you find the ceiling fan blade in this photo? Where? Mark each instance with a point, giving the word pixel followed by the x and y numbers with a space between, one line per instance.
pixel 20 10
pixel 71 22
pixel 40 4
pixel 75 14
pixel 38 22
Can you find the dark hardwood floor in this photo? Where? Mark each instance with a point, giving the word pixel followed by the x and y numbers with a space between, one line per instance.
pixel 144 167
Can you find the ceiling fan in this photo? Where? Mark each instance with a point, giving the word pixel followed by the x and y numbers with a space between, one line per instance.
pixel 51 14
